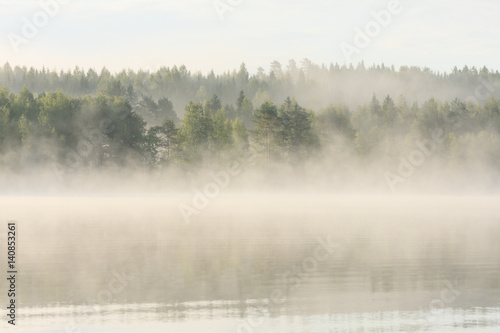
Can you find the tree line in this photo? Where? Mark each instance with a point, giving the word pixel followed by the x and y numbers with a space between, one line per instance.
pixel 313 86
pixel 109 129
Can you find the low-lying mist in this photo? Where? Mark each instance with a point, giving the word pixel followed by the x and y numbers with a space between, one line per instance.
pixel 127 138
pixel 325 175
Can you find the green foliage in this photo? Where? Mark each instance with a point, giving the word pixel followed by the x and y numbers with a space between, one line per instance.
pixel 222 134
pixel 261 97
pixel 213 105
pixel 240 135
pixel 244 110
pixel 161 143
pixel 295 135
pixel 388 113
pixel 312 85
pixel 335 121
pixel 113 131
pixel 166 110
pixel 4 123
pixel 266 129
pixel 24 128
pixel 196 131
pixel 112 87
pixel 56 116
pixel 201 94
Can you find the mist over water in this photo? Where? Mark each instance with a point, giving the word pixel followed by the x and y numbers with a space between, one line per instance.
pixel 335 168
pixel 315 263
pixel 382 217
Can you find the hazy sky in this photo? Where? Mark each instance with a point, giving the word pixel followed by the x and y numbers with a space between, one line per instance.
pixel 142 33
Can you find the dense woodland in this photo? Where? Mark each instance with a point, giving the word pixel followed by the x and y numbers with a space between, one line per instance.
pixel 313 86
pixel 293 118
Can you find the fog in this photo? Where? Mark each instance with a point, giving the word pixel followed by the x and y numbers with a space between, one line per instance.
pixel 366 201
pixel 313 85
pixel 357 129
pixel 329 261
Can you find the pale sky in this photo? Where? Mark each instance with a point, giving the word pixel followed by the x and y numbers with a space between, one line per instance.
pixel 149 34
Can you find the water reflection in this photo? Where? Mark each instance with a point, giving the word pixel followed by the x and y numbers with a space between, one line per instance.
pixel 224 316
pixel 288 263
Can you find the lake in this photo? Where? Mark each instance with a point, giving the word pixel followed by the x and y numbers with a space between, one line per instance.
pixel 253 262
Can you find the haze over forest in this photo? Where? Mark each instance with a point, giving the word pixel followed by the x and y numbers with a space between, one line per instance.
pixel 357 127
pixel 253 166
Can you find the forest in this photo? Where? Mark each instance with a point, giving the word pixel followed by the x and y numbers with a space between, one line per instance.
pixel 331 120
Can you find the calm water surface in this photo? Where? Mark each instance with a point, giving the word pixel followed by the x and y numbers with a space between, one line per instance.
pixel 256 263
